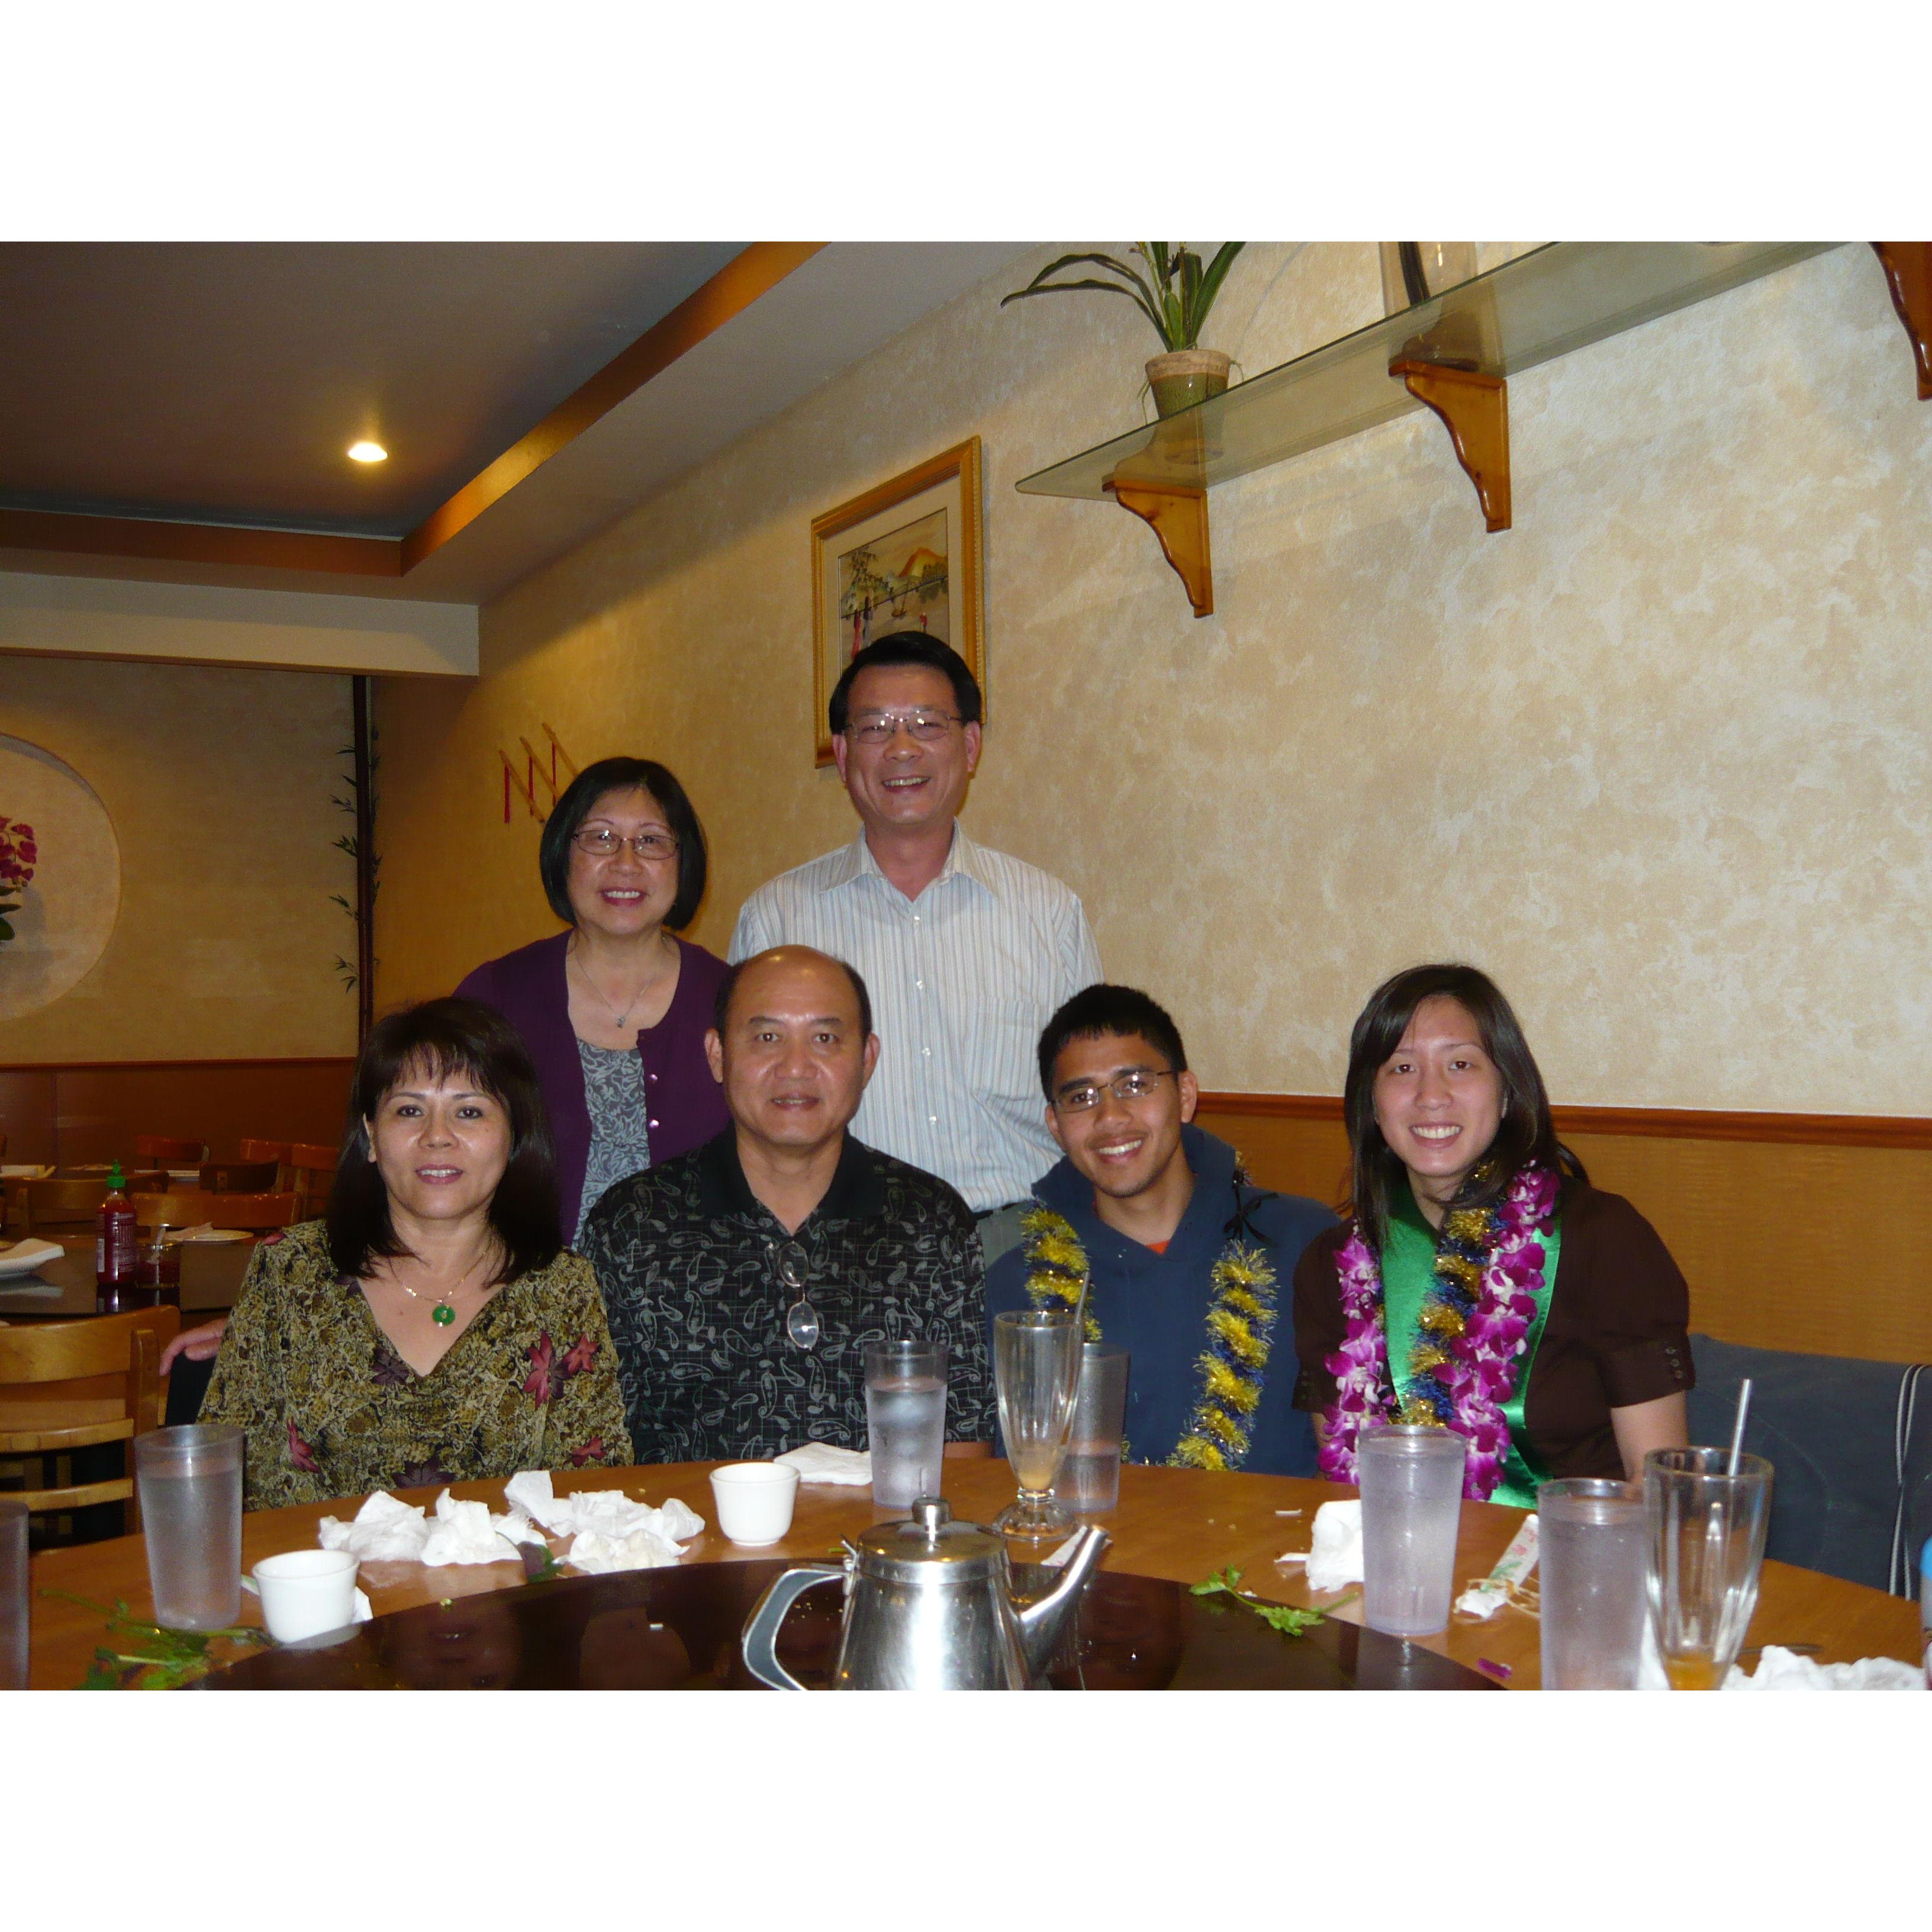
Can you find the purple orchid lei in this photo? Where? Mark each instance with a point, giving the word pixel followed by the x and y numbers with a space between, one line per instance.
pixel 1479 1312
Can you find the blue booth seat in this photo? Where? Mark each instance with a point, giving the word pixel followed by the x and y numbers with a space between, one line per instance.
pixel 1851 1445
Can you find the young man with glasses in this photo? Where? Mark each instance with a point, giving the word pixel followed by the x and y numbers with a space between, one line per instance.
pixel 1187 1263
pixel 966 949
pixel 743 1280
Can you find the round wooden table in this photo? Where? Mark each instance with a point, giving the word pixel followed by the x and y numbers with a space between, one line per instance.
pixel 1178 1524
pixel 63 1290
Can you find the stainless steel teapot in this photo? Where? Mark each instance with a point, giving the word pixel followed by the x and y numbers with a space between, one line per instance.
pixel 930 1606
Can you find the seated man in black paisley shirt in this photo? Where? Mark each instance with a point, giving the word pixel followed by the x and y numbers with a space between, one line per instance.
pixel 744 1279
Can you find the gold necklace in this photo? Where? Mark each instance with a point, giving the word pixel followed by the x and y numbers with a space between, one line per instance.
pixel 442 1314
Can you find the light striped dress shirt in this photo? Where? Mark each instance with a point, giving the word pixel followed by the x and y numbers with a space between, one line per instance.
pixel 963 979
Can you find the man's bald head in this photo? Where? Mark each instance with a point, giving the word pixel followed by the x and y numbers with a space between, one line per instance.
pixel 786 958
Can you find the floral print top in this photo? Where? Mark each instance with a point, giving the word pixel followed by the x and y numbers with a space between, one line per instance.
pixel 330 1409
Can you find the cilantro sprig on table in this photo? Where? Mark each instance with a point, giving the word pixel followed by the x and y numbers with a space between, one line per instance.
pixel 139 1656
pixel 1282 1617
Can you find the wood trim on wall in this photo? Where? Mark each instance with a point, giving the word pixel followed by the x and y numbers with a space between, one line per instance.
pixel 1674 1123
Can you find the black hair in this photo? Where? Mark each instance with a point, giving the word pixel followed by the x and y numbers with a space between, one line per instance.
pixel 579 799
pixel 438 1038
pixel 1526 1133
pixel 721 1006
pixel 906 647
pixel 1100 1010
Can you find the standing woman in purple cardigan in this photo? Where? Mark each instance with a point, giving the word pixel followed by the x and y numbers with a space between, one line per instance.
pixel 614 1011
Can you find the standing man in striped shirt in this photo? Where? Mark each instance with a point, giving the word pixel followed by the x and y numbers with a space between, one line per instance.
pixel 968 952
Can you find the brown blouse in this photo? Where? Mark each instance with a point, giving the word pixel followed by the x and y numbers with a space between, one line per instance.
pixel 1616 1335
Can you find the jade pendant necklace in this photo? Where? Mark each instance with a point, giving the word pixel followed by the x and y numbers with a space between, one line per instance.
pixel 442 1314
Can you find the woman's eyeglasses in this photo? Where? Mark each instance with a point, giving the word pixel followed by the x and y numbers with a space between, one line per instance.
pixel 600 842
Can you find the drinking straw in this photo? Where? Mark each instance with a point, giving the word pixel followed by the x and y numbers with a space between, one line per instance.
pixel 1738 1427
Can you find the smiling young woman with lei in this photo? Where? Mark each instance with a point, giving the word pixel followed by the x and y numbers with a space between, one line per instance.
pixel 1481 1284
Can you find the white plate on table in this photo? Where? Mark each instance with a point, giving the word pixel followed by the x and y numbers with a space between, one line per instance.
pixel 198 1237
pixel 23 1257
pixel 25 1173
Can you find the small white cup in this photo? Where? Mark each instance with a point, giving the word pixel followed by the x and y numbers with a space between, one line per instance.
pixel 304 1592
pixel 754 1501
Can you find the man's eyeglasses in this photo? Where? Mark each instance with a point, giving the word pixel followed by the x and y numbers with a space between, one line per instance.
pixel 801 1318
pixel 1135 1086
pixel 600 842
pixel 881 727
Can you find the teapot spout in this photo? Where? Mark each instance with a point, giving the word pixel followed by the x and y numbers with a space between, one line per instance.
pixel 1041 1621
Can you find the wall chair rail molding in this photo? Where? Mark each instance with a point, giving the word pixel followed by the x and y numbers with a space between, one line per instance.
pixel 1453 354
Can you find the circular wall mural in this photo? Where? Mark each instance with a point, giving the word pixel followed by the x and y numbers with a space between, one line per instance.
pixel 60 877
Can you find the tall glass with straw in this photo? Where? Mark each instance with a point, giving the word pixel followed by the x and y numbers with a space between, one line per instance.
pixel 1705 1511
pixel 1037 1371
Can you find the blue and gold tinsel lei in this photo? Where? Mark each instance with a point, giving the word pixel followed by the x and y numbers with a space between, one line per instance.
pixel 1241 1329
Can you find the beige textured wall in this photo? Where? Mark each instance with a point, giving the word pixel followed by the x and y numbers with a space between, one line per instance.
pixel 218 784
pixel 1658 756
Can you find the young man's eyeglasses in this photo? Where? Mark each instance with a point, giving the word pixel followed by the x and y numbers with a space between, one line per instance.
pixel 881 727
pixel 1135 1086
pixel 600 842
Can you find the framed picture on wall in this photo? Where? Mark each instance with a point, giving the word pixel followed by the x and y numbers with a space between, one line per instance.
pixel 903 557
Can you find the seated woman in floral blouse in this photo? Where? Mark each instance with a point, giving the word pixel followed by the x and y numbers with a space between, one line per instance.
pixel 432 1329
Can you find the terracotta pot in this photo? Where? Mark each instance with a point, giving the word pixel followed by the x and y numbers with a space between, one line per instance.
pixel 1186 377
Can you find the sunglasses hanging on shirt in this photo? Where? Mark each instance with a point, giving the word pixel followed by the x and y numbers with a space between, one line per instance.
pixel 801 1318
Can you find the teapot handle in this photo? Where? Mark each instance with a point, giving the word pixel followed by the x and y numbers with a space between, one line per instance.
pixel 761 1631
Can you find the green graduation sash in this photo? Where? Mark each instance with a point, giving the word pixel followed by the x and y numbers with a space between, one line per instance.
pixel 1408 1272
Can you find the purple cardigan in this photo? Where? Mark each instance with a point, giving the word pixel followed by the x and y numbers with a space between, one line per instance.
pixel 687 1106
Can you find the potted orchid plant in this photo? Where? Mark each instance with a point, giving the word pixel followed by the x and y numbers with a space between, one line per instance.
pixel 1175 293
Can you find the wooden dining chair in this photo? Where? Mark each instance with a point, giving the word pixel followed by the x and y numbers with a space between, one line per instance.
pixel 313 1172
pixel 47 1204
pixel 240 1177
pixel 67 1385
pixel 168 1152
pixel 254 1150
pixel 190 1208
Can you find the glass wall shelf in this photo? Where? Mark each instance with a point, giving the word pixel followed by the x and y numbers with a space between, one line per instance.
pixel 1561 297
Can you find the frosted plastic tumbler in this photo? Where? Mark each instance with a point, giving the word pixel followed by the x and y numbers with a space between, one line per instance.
pixel 1090 1475
pixel 190 1484
pixel 1591 1546
pixel 905 1419
pixel 1411 1485
pixel 13 1596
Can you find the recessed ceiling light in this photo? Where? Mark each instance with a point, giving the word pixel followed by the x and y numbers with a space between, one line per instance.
pixel 367 452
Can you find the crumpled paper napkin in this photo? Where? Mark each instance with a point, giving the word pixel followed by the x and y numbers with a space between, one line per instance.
pixel 1781 1669
pixel 1334 1559
pixel 824 1462
pixel 387 1529
pixel 609 1531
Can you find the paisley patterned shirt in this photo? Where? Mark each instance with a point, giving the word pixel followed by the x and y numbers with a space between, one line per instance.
pixel 330 1409
pixel 690 1262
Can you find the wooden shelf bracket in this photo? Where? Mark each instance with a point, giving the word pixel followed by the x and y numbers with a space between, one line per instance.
pixel 1908 274
pixel 1179 518
pixel 1475 408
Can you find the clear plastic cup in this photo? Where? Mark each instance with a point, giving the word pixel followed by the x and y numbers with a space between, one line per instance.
pixel 1412 1483
pixel 13 1619
pixel 905 1419
pixel 1590 1544
pixel 1705 1521
pixel 190 1486
pixel 1089 1473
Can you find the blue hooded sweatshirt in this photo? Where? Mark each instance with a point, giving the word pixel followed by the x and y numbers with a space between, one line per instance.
pixel 1156 1305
